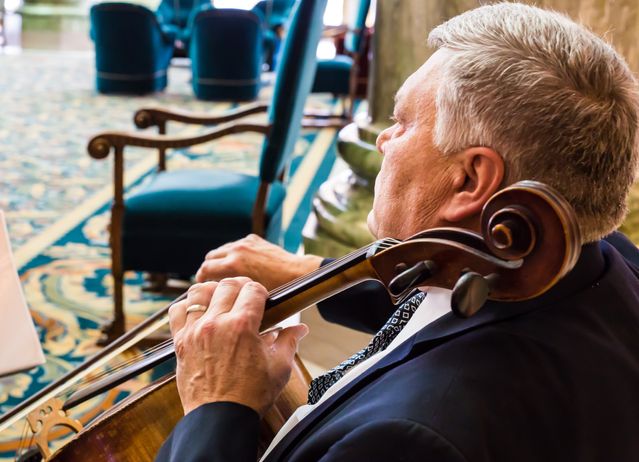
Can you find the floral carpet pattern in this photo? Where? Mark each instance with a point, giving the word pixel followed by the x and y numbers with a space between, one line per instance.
pixel 56 199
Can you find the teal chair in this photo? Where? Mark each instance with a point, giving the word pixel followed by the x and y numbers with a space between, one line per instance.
pixel 132 50
pixel 175 15
pixel 226 54
pixel 275 14
pixel 177 12
pixel 339 75
pixel 168 224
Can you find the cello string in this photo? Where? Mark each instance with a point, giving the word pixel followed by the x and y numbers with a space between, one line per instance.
pixel 117 366
pixel 58 387
pixel 122 364
pixel 310 279
pixel 89 379
pixel 23 441
pixel 167 345
pixel 26 441
pixel 384 244
pixel 321 270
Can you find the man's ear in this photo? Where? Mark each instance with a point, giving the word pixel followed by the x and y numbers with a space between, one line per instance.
pixel 479 175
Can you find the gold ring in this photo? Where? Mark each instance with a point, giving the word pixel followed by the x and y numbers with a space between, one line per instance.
pixel 196 308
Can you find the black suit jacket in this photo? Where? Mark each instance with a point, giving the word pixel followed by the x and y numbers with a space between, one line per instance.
pixel 554 378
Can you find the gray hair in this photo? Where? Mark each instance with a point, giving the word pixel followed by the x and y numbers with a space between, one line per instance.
pixel 556 101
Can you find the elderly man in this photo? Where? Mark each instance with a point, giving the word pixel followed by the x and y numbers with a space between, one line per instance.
pixel 513 92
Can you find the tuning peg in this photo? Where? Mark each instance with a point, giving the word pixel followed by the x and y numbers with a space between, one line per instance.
pixel 469 294
pixel 409 278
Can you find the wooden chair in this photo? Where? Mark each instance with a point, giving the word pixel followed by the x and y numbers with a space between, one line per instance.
pixel 169 224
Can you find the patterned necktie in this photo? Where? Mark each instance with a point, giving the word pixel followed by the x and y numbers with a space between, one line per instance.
pixel 380 341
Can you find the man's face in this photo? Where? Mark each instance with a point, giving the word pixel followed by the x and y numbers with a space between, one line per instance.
pixel 415 180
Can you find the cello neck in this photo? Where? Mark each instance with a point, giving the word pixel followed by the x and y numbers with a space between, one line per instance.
pixel 315 287
pixel 281 303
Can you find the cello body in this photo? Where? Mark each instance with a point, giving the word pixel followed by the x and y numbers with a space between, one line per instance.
pixel 135 429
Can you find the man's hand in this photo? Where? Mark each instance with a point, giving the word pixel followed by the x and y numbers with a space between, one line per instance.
pixel 253 257
pixel 220 354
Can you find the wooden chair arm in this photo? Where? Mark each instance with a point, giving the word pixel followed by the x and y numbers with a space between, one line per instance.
pixel 100 145
pixel 149 117
pixel 335 31
pixel 320 121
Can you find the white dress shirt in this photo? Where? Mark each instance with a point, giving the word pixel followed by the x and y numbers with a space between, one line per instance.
pixel 435 305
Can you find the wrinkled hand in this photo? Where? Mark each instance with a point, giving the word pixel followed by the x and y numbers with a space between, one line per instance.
pixel 220 354
pixel 258 259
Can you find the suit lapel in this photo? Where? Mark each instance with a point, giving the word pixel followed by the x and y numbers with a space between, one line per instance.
pixel 589 267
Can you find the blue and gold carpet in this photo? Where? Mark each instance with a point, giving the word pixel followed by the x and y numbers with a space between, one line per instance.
pixel 56 200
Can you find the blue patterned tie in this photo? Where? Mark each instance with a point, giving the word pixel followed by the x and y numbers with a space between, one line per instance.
pixel 382 339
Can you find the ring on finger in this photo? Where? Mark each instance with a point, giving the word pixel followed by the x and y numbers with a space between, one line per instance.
pixel 196 308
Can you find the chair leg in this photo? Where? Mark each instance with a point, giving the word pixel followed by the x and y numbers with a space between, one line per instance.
pixel 348 104
pixel 319 120
pixel 155 282
pixel 116 326
pixel 162 151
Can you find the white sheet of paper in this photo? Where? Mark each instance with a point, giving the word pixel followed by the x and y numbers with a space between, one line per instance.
pixel 19 344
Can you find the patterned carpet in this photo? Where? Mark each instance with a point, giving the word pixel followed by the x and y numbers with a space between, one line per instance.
pixel 56 199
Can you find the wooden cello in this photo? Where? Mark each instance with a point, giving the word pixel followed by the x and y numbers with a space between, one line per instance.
pixel 529 240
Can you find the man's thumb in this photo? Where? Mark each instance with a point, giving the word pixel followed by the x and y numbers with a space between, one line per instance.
pixel 289 337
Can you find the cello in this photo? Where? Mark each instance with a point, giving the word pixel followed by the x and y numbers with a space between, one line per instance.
pixel 529 240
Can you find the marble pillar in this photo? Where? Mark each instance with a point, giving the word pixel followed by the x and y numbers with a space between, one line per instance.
pixel 400 46
pixel 615 20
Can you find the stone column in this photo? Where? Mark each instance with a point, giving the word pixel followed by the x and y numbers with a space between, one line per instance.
pixel 615 20
pixel 400 46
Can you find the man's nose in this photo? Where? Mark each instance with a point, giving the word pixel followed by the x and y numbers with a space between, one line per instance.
pixel 381 139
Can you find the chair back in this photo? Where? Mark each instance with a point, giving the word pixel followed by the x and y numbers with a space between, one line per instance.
pixel 226 54
pixel 177 12
pixel 294 77
pixel 276 12
pixel 353 38
pixel 130 47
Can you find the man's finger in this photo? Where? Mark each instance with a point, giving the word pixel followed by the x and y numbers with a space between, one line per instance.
pixel 218 252
pixel 225 295
pixel 177 316
pixel 197 301
pixel 214 269
pixel 250 302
